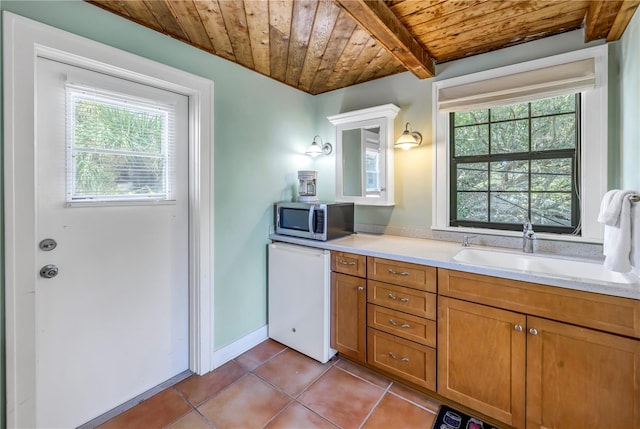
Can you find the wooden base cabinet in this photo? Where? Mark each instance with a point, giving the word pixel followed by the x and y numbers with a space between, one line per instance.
pixel 581 378
pixel 574 377
pixel 481 359
pixel 349 305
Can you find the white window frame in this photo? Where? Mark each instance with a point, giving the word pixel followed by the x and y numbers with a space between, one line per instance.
pixel 593 151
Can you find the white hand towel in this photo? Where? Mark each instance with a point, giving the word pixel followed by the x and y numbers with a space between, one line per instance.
pixel 635 237
pixel 611 206
pixel 617 237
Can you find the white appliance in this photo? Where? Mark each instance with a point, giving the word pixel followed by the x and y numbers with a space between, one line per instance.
pixel 300 299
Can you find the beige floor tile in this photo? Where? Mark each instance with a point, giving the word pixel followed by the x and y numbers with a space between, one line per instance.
pixel 156 412
pixel 260 354
pixel 247 403
pixel 297 416
pixel 193 420
pixel 365 373
pixel 415 396
pixel 395 412
pixel 291 371
pixel 341 398
pixel 198 388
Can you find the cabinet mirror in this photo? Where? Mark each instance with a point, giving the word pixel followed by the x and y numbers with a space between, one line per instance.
pixel 364 155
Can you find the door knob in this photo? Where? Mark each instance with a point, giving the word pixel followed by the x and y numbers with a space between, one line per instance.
pixel 48 271
pixel 48 244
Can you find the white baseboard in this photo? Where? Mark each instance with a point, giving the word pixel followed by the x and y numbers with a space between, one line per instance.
pixel 235 349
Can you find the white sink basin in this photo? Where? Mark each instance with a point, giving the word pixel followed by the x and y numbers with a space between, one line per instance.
pixel 545 265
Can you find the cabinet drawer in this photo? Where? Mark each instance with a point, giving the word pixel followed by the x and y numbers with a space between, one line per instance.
pixel 591 310
pixel 404 325
pixel 416 302
pixel 349 263
pixel 411 361
pixel 402 273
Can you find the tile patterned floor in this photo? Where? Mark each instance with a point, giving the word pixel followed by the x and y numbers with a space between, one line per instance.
pixel 274 387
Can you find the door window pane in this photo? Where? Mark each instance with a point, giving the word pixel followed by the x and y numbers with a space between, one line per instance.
pixel 119 149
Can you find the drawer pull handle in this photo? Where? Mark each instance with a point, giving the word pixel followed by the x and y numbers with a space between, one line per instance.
pixel 346 263
pixel 394 323
pixel 392 271
pixel 392 296
pixel 393 356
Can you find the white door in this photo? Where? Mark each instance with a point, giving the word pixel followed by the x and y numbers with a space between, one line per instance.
pixel 113 322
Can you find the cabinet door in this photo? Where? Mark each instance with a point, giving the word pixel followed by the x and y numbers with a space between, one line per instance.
pixel 481 359
pixel 349 315
pixel 580 378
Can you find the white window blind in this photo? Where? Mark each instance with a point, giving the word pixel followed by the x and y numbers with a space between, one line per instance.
pixel 119 148
pixel 571 77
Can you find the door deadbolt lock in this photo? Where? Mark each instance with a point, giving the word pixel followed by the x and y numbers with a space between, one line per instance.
pixel 48 271
pixel 48 244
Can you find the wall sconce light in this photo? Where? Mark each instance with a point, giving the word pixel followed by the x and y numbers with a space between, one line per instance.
pixel 409 138
pixel 319 148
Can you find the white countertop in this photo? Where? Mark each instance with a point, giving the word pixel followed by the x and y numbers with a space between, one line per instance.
pixel 440 254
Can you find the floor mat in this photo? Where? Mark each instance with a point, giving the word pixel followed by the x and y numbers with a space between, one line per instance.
pixel 448 418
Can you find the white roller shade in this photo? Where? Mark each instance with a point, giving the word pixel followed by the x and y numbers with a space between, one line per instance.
pixel 545 82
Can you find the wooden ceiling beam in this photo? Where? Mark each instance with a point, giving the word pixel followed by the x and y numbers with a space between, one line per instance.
pixel 600 16
pixel 375 17
pixel 622 19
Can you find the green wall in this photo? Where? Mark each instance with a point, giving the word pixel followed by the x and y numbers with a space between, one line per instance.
pixel 261 129
pixel 628 57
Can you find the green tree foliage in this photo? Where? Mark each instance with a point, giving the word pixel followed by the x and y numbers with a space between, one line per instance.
pixel 516 161
pixel 117 150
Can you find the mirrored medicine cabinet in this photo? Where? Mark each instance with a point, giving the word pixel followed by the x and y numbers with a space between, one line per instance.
pixel 364 155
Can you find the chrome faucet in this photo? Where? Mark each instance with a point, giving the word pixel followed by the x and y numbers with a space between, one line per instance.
pixel 528 237
pixel 465 240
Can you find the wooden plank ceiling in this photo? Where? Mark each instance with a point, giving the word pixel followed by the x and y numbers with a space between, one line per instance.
pixel 322 45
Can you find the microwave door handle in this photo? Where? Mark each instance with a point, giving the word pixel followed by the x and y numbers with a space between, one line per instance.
pixel 311 211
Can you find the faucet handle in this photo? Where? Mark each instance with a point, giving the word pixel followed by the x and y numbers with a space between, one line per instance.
pixel 465 240
pixel 528 231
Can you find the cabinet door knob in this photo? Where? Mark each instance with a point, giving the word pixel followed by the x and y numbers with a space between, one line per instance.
pixel 360 288
pixel 518 327
pixel 533 331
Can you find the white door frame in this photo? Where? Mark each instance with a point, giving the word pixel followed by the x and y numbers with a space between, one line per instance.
pixel 24 41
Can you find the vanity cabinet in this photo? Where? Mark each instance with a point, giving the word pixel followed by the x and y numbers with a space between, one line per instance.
pixel 349 305
pixel 401 320
pixel 501 354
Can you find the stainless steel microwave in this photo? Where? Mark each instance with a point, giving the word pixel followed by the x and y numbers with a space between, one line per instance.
pixel 322 221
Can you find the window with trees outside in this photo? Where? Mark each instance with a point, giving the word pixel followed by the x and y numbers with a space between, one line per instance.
pixel 118 148
pixel 518 162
